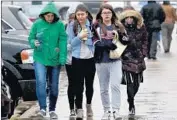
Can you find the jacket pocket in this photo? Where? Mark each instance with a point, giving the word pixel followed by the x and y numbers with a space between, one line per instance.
pixel 54 53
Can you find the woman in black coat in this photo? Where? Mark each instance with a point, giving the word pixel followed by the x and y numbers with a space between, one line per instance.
pixel 133 63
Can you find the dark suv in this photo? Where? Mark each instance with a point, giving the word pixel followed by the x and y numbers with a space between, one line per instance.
pixel 17 71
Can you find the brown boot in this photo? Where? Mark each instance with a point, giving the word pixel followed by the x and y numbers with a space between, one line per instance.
pixel 89 110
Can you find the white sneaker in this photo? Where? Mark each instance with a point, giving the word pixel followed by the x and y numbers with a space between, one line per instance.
pixel 106 116
pixel 72 113
pixel 89 110
pixel 116 114
pixel 41 113
pixel 80 113
pixel 53 115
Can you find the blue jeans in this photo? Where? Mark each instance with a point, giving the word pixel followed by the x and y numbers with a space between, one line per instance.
pixel 153 36
pixel 41 75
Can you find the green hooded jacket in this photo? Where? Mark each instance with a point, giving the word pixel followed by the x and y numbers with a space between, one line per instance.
pixel 52 37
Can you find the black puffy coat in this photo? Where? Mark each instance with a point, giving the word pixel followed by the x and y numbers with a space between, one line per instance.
pixel 136 51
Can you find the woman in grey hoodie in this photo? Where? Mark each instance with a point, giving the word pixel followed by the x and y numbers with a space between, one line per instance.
pixel 109 70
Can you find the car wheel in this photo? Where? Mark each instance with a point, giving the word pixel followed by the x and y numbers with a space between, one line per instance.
pixel 14 89
pixel 5 100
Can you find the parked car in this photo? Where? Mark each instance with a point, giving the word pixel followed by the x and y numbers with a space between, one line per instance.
pixel 18 70
pixel 32 9
pixel 15 19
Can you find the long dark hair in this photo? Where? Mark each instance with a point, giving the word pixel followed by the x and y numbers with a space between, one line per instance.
pixel 81 7
pixel 114 18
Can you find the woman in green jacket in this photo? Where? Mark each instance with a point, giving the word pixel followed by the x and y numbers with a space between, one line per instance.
pixel 49 41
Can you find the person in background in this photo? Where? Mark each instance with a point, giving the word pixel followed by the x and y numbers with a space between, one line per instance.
pixel 168 25
pixel 83 63
pixel 71 93
pixel 49 41
pixel 109 70
pixel 133 63
pixel 153 16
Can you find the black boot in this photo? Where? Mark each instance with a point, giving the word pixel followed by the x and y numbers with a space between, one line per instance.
pixel 131 107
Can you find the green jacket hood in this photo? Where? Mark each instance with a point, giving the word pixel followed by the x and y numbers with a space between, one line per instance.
pixel 50 8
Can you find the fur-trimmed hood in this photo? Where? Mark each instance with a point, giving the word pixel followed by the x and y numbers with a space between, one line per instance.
pixel 128 13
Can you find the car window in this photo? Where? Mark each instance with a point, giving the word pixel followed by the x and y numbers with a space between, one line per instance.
pixel 2 28
pixel 6 26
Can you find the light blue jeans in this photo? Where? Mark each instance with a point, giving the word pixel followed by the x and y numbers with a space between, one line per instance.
pixel 41 75
pixel 110 74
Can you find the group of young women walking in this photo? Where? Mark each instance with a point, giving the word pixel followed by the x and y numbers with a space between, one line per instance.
pixel 84 45
pixel 89 44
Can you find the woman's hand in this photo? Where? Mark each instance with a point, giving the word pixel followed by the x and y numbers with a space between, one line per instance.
pixel 112 46
pixel 83 34
pixel 36 43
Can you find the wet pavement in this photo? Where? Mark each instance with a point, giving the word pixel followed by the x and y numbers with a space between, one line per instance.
pixel 157 96
pixel 156 99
